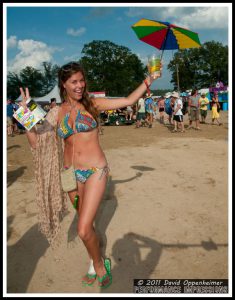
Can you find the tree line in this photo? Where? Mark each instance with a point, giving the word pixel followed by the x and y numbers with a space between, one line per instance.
pixel 117 71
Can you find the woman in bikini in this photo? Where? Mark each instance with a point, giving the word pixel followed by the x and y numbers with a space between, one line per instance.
pixel 69 136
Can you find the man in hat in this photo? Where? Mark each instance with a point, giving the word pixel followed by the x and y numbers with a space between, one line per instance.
pixel 177 113
pixel 203 102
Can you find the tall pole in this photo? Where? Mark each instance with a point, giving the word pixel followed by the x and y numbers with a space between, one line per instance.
pixel 177 73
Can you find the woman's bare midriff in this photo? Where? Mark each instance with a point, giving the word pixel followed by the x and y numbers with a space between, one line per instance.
pixel 87 150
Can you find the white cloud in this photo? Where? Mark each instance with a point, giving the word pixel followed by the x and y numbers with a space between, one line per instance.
pixel 12 41
pixel 210 17
pixel 207 18
pixel 77 32
pixel 31 53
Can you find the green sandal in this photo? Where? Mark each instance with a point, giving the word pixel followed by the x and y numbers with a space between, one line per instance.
pixel 90 276
pixel 107 265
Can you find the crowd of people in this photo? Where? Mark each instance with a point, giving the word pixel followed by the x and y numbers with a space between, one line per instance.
pixel 176 107
pixel 145 111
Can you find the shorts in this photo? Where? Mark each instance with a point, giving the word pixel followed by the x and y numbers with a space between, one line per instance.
pixel 178 118
pixel 9 121
pixel 149 111
pixel 194 114
pixel 141 116
pixel 203 112
pixel 161 109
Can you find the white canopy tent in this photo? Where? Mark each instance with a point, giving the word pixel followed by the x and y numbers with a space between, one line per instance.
pixel 54 93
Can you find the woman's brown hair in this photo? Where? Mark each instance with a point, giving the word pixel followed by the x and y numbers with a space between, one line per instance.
pixel 65 72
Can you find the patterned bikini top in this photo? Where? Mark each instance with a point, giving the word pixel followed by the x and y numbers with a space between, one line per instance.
pixel 83 122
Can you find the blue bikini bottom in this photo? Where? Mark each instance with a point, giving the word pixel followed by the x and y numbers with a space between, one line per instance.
pixel 83 175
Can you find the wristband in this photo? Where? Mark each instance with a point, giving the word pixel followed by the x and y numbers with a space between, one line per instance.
pixel 147 85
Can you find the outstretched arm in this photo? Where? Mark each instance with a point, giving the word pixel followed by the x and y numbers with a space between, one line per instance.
pixel 107 104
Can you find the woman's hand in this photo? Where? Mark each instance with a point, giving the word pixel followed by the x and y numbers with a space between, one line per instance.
pixel 25 96
pixel 150 78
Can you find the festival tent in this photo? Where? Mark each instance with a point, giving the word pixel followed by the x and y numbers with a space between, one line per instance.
pixel 54 93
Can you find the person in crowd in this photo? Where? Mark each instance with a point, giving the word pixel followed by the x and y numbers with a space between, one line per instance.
pixel 215 110
pixel 141 115
pixel 10 112
pixel 149 109
pixel 172 104
pixel 161 108
pixel 155 109
pixel 203 103
pixel 177 113
pixel 194 109
pixel 185 104
pixel 69 136
pixel 129 113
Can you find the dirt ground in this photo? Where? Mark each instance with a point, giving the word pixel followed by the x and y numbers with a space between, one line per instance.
pixel 164 214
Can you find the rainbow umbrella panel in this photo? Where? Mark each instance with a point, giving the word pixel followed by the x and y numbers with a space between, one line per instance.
pixel 165 36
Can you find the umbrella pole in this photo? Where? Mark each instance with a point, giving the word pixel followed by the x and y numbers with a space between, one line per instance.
pixel 165 41
pixel 177 73
pixel 162 54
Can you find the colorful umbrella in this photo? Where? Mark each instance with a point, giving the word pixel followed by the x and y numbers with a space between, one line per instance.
pixel 165 36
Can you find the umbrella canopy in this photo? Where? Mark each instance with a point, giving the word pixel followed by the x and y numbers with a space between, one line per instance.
pixel 165 36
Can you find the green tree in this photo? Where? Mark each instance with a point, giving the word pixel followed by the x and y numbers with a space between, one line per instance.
pixel 49 77
pixel 111 68
pixel 39 82
pixel 215 63
pixel 32 79
pixel 13 84
pixel 200 67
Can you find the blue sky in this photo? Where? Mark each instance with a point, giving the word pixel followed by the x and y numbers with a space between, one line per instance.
pixel 57 34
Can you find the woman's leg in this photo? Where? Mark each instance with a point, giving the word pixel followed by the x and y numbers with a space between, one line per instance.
pixel 80 191
pixel 93 193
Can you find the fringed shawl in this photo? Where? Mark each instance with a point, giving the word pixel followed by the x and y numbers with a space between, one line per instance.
pixel 48 160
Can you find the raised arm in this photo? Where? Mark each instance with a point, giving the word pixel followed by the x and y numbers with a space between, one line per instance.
pixel 48 126
pixel 107 104
pixel 31 134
